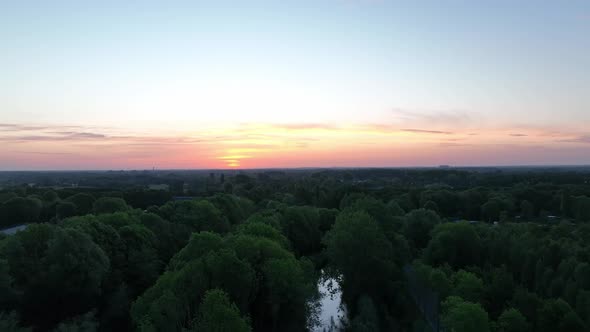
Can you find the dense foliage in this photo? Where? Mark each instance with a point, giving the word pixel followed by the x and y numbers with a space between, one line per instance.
pixel 413 250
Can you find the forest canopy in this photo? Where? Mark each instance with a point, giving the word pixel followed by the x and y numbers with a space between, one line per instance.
pixel 411 250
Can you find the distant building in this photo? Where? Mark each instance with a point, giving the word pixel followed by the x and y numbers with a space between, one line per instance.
pixel 163 187
pixel 444 166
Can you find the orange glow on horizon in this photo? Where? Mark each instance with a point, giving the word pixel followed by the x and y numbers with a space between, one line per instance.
pixel 267 146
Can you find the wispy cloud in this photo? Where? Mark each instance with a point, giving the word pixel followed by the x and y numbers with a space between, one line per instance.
pixel 84 135
pixel 453 145
pixel 439 117
pixel 579 139
pixel 426 131
pixel 44 153
pixel 56 137
pixel 304 126
pixel 518 135
pixel 18 127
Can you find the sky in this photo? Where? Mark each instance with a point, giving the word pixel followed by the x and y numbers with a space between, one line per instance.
pixel 306 83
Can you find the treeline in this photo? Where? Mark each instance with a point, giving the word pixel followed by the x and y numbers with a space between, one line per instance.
pixel 30 205
pixel 248 259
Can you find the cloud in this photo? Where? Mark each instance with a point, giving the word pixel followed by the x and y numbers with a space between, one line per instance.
pixel 15 127
pixel 453 145
pixel 440 117
pixel 19 127
pixel 84 135
pixel 73 136
pixel 518 135
pixel 88 136
pixel 580 139
pixel 389 128
pixel 553 133
pixel 426 131
pixel 43 153
pixel 303 126
pixel 287 126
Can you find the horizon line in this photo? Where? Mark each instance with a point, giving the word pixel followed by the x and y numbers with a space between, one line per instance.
pixel 442 166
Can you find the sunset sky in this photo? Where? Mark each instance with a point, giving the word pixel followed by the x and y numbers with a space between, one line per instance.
pixel 257 84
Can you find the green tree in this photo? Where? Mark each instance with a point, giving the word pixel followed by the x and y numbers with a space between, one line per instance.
pixel 50 196
pixel 235 208
pixel 557 315
pixel 171 237
pixel 260 229
pixel 418 225
pixel 199 245
pixel 439 282
pixel 284 284
pixel 376 208
pixel 511 320
pixel 218 314
pixel 5 196
pixel 583 305
pixel 61 269
pixel 582 208
pixel 367 319
pixel 235 276
pixel 499 290
pixel 471 202
pixel 302 226
pixel 198 215
pixel 7 292
pixel 454 243
pixel 109 205
pixel 84 202
pixel 432 206
pixel 462 316
pixel 527 210
pixel 582 275
pixel 394 209
pixel 490 211
pixel 141 263
pixel 20 210
pixel 83 323
pixel 66 210
pixel 359 250
pixel 566 202
pixel 468 286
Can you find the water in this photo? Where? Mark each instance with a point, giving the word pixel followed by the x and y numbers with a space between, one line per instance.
pixel 13 230
pixel 328 311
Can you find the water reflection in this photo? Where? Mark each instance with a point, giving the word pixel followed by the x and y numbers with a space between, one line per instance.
pixel 328 312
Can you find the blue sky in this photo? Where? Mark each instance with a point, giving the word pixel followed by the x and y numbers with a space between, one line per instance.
pixel 186 68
